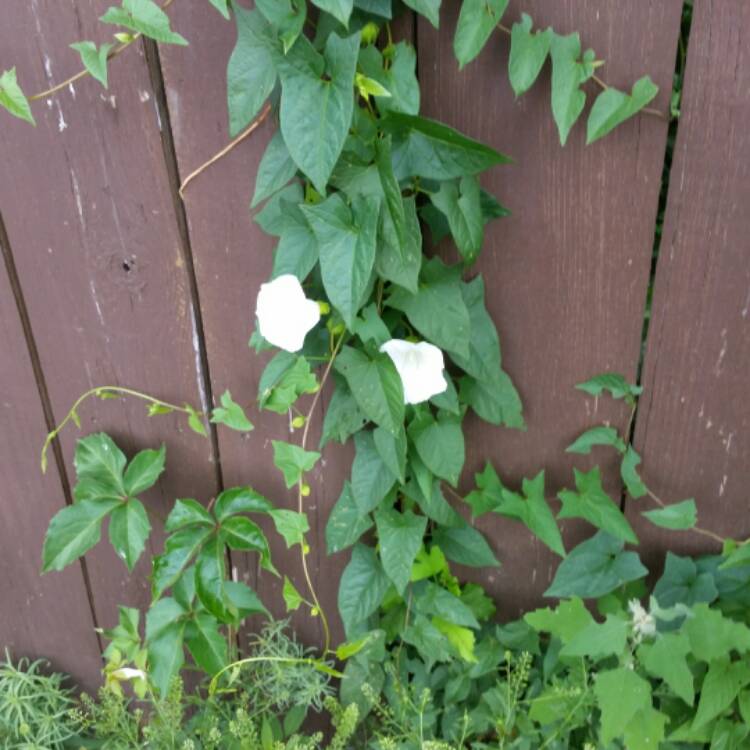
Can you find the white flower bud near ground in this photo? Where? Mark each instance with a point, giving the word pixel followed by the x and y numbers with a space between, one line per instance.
pixel 420 367
pixel 127 673
pixel 284 314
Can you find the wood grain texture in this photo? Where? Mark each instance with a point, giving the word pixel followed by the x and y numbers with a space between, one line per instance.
pixel 693 423
pixel 47 615
pixel 567 273
pixel 91 220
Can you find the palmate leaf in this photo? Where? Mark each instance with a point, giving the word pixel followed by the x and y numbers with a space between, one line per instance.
pixel 317 103
pixel 144 17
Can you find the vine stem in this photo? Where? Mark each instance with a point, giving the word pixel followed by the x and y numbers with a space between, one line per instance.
pixel 241 137
pixel 599 82
pixel 99 391
pixel 300 497
pixel 83 73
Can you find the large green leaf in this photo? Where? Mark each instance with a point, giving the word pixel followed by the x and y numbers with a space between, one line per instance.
pixel 210 577
pixel 430 9
pixel 438 310
pixel 595 505
pixel 375 385
pixel 293 461
pixel 722 683
pixel 12 97
pixel 666 658
pixel 465 545
pixel 144 17
pixel 596 567
pixel 476 22
pixel 94 59
pixel 346 524
pixel 434 600
pixel 400 536
pixel 440 444
pixel 343 416
pixel 569 71
pixel 527 54
pixel 620 695
pixel 240 533
pixel 613 107
pixel 392 450
pixel 460 201
pixel 143 471
pixel 129 529
pixel 494 399
pixel 566 621
pixel 339 9
pixel 251 73
pixel 240 500
pixel 371 477
pixel 286 16
pixel 599 640
pixel 317 103
pixel 180 549
pixel 74 531
pixel 206 643
pixel 427 148
pixel 712 636
pixel 396 71
pixel 187 512
pixel 362 587
pixel 681 583
pixel 165 626
pixel 346 241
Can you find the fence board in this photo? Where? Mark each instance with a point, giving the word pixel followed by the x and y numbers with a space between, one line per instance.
pixel 693 425
pixel 48 615
pixel 567 273
pixel 91 220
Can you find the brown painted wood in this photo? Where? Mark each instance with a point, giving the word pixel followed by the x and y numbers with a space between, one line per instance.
pixel 47 615
pixel 91 220
pixel 567 273
pixel 693 424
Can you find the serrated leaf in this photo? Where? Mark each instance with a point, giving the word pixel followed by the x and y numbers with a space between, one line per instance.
pixel 591 502
pixel 293 461
pixel 599 435
pixel 677 516
pixel 317 104
pixel 620 695
pixel 346 241
pixel 206 644
pixel 596 567
pixel 292 598
pixel 99 465
pixel 613 107
pixel 74 531
pixel 426 148
pixel 180 549
pixel 361 588
pixel 251 73
pixel 712 635
pixel 144 17
pixel 12 97
pixel 240 500
pixel 566 622
pixel 400 536
pixel 291 525
pixel 231 414
pixel 527 54
pixel 165 627
pixel 187 512
pixel 144 470
pixel 375 385
pixel 476 22
pixel 129 528
pixel 598 640
pixel 210 576
pixel 666 658
pixel 94 60
pixel 430 9
pixel 347 523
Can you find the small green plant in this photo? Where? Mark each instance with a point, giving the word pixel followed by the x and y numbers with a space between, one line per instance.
pixel 34 706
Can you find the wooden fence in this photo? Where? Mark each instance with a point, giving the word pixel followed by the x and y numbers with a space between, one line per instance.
pixel 110 279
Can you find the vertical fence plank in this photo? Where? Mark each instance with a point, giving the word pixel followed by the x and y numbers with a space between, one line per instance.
pixel 693 425
pixel 567 273
pixel 91 219
pixel 40 616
